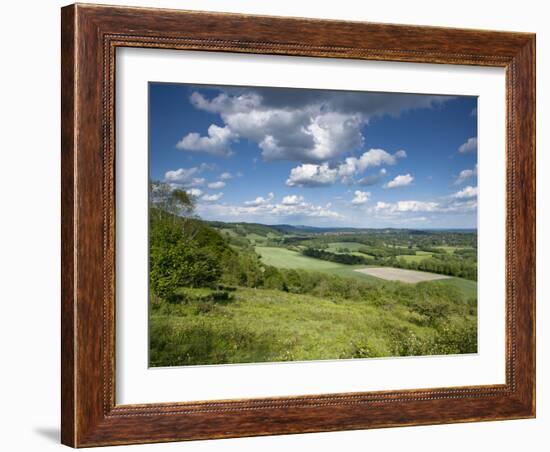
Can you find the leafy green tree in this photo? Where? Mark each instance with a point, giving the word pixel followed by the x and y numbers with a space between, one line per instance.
pixel 177 257
pixel 172 202
pixel 178 265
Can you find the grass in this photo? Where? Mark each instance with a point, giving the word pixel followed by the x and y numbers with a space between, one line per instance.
pixel 466 286
pixel 261 325
pixel 352 246
pixel 228 232
pixel 348 271
pixel 255 238
pixel 414 257
pixel 448 249
pixel 284 258
pixel 452 249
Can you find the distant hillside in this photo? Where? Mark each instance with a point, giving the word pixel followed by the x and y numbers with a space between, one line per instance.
pixel 247 228
pixel 278 229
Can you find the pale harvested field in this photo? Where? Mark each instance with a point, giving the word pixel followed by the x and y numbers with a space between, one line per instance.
pixel 399 274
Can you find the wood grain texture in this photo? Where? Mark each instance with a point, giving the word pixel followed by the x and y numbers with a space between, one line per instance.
pixel 67 226
pixel 90 36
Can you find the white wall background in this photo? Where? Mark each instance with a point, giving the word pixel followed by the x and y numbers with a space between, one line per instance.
pixel 29 227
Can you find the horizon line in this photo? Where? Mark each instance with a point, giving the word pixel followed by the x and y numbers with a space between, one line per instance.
pixel 343 227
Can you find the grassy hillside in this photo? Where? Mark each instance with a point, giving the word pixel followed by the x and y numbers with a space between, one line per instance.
pixel 271 325
pixel 467 287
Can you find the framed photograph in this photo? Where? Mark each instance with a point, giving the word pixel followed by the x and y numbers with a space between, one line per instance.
pixel 281 225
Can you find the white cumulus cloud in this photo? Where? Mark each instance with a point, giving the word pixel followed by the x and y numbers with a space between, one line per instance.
pixel 469 146
pixel 260 200
pixel 317 175
pixel 444 206
pixel 360 197
pixel 196 192
pixel 292 208
pixel 407 206
pixel 216 185
pixel 466 192
pixel 226 176
pixel 212 198
pixel 401 180
pixel 292 200
pixel 352 166
pixel 185 177
pixel 298 125
pixel 216 143
pixel 401 154
pixel 466 174
pixel 311 175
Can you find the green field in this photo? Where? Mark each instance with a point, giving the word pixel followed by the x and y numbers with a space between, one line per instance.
pixel 285 258
pixel 452 249
pixel 351 246
pixel 229 232
pixel 255 238
pixel 414 257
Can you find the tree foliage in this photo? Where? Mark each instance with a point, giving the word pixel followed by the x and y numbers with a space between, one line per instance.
pixel 341 258
pixel 182 253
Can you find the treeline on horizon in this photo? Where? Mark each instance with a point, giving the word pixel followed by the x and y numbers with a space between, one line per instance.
pixel 328 231
pixel 400 241
pixel 463 265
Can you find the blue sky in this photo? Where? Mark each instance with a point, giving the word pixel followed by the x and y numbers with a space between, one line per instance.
pixel 317 157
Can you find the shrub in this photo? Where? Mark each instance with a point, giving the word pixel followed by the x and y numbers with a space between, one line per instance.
pixel 180 265
pixel 362 349
pixel 202 341
pixel 203 295
pixel 177 260
pixel 448 339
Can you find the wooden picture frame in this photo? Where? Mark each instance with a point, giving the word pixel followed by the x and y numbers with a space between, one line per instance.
pixel 90 36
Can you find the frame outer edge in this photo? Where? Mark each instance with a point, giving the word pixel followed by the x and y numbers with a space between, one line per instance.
pixel 534 226
pixel 526 218
pixel 68 242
